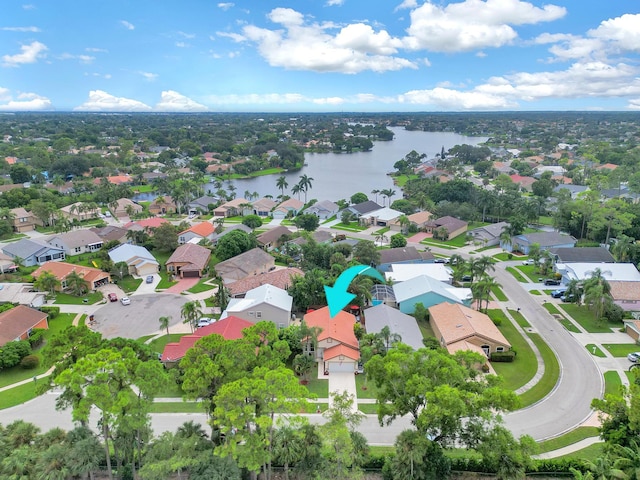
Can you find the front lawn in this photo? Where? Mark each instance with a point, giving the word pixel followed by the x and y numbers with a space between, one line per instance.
pixel 128 284
pixel 365 387
pixel 620 350
pixel 18 395
pixel 164 282
pixel 503 257
pixel 519 318
pixel 589 453
pixel 159 343
pixel 67 299
pixel 368 408
pixel 351 227
pixel 459 241
pixel 318 386
pixel 201 286
pixel 612 382
pixel 177 407
pixel 499 294
pixel 586 319
pixel 594 350
pixel 549 378
pixel 525 365
pixel 551 308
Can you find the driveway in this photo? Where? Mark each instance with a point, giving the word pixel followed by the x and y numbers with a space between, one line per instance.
pixel 140 318
pixel 182 285
pixel 148 287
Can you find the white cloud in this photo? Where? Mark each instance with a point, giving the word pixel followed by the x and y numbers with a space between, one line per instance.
pixel 21 29
pixel 150 77
pixel 182 44
pixel 333 3
pixel 473 24
pixel 449 99
pixel 28 54
pixel 622 31
pixel 86 59
pixel 406 4
pixel 634 104
pixel 329 101
pixel 187 35
pixel 29 7
pixel 236 37
pixel 99 75
pixel 226 5
pixel 174 102
pixel 257 99
pixel 96 50
pixel 26 102
pixel 101 101
pixel 309 46
pixel 127 25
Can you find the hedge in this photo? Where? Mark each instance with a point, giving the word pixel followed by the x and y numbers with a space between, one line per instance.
pixel 506 357
pixel 37 337
pixel 53 312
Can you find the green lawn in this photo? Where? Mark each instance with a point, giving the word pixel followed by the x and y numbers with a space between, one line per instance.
pixel 201 286
pixel 128 284
pixel 631 375
pixel 519 318
pixel 525 365
pixel 517 275
pixel 159 343
pixel 18 395
pixel 550 376
pixel 365 387
pixel 506 256
pixel 551 308
pixel 319 387
pixel 368 408
pixel 592 451
pixel 425 329
pixel 164 282
pixel 594 350
pixel 382 231
pixel 144 188
pixel 499 294
pixel 177 407
pixel 67 299
pixel 145 338
pixel 569 438
pixel 612 382
pixel 568 324
pixel 459 241
pixel 545 220
pixel 534 292
pixel 586 319
pixel 621 349
pixel 351 227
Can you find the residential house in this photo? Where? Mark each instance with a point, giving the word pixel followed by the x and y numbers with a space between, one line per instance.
pixel 612 272
pixel 18 323
pixel 453 226
pixel 24 221
pixel 280 277
pixel 94 277
pixel 202 204
pixel 523 182
pixel 253 262
pixel 188 260
pixel 272 238
pixel 32 252
pixel 229 328
pixel 574 190
pixel 125 207
pixel 290 207
pixel 337 347
pixel 115 180
pixel 401 324
pixel 381 217
pixel 237 226
pixel 263 207
pixel 265 302
pixel 233 208
pixel 398 255
pixel 7 264
pixel 401 272
pixel 582 255
pixel 199 231
pixel 319 236
pixel 148 224
pixel 429 292
pixel 419 220
pixel 76 242
pixel 137 258
pixel 111 233
pixel 546 240
pixel 162 206
pixel 79 211
pixel 489 235
pixel 323 209
pixel 362 208
pixel 632 328
pixel 458 327
pixel 22 294
pixel 626 295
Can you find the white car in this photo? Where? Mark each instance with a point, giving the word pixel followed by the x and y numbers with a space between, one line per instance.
pixel 203 322
pixel 528 262
pixel 634 357
pixel 125 301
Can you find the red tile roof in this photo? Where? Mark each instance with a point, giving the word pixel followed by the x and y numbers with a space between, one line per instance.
pixel 16 321
pixel 339 328
pixel 203 229
pixel 335 352
pixel 230 328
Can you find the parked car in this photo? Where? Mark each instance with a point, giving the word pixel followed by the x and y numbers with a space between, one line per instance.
pixel 528 262
pixel 125 301
pixel 466 278
pixel 634 357
pixel 558 293
pixel 112 297
pixel 567 298
pixel 204 321
pixel 551 281
pixel 149 279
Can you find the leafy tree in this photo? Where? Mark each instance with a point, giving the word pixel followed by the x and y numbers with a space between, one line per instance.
pixel 47 282
pixel 76 284
pixel 252 221
pixel 398 240
pixel 365 252
pixel 619 415
pixel 418 458
pixel 234 243
pixel 165 237
pixel 120 269
pixel 508 457
pixel 403 205
pixel 358 198
pixel 307 221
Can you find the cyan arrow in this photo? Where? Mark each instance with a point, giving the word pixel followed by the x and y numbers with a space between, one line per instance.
pixel 337 296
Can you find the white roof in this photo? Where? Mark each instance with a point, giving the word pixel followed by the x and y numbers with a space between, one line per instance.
pixel 268 294
pixel 384 214
pixel 620 272
pixel 126 251
pixel 401 272
pixel 423 284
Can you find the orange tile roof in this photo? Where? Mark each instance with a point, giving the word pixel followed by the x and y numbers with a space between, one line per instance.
pixel 62 269
pixel 457 322
pixel 203 229
pixel 153 222
pixel 335 352
pixel 339 328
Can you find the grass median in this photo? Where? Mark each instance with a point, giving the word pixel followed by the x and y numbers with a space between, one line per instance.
pixel 550 377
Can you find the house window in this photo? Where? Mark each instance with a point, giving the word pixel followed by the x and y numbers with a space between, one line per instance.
pixel 251 314
pixel 258 314
pixel 77 249
pixel 329 340
pixel 499 349
pixel 23 220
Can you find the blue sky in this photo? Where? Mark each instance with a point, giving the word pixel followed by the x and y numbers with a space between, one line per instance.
pixel 331 55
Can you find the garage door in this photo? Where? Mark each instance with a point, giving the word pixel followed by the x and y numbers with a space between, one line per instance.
pixel 190 274
pixel 341 367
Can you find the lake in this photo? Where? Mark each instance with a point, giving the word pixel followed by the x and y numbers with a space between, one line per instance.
pixel 338 176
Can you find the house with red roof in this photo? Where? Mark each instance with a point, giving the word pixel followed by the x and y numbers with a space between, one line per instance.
pixel 18 322
pixel 524 182
pixel 145 224
pixel 198 232
pixel 229 328
pixel 337 347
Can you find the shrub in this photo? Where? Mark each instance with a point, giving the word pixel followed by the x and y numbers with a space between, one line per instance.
pixel 613 313
pixel 497 321
pixel 53 312
pixel 398 241
pixel 252 221
pixel 30 362
pixel 506 357
pixel 37 337
pixel 12 352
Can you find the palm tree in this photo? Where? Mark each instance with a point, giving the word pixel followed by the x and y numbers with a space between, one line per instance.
pixel 480 266
pixel 623 247
pixel 375 192
pixel 305 185
pixel 47 282
pixel 387 193
pixel 164 323
pixel 190 313
pixel 288 447
pixel 506 238
pixel 484 287
pixel 404 223
pixel 296 189
pixel 76 284
pixel 281 183
pixel 389 338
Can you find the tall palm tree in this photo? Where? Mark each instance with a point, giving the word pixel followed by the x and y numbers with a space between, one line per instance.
pixel 404 223
pixel 387 193
pixel 305 184
pixel 47 282
pixel 296 189
pixel 288 447
pixel 164 323
pixel 388 337
pixel 281 183
pixel 375 192
pixel 76 284
pixel 190 313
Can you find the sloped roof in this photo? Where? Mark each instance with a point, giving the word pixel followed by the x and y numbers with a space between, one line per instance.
pixel 20 212
pixel 110 232
pixel 491 231
pixel 273 234
pixel 264 294
pixel 202 229
pixel 457 322
pixel 26 247
pixel 583 254
pixel 280 278
pixel 17 321
pixel 128 252
pixel 450 223
pixel 342 349
pixel 231 228
pixel 380 316
pixel 339 328
pixel 384 213
pixel 292 203
pixel 264 204
pixel 196 255
pixel 77 238
pixel 403 254
pixel 625 290
pixel 546 239
pixel 423 284
pixel 245 262
pixel 230 328
pixel 61 269
pixel 420 217
pixel 401 272
pixel 365 207
pixel 622 272
pixel 323 205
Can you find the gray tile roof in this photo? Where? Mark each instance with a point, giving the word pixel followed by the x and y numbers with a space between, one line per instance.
pixel 546 239
pixel 402 254
pixel 380 316
pixel 365 207
pixel 586 254
pixel 25 248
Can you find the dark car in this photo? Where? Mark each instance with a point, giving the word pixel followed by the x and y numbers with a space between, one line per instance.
pixel 558 293
pixel 567 298
pixel 551 281
pixel 149 279
pixel 466 278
